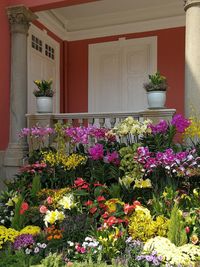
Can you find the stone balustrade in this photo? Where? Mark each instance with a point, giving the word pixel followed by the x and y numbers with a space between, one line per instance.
pixel 101 119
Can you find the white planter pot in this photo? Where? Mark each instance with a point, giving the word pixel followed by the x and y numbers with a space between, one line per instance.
pixel 156 99
pixel 44 104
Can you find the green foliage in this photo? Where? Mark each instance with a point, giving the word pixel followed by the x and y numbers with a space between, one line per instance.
pixel 17 259
pixel 157 82
pixel 160 141
pixel 36 186
pixel 96 264
pixel 18 219
pixel 52 260
pixel 177 234
pixel 115 191
pixel 44 88
pixel 103 172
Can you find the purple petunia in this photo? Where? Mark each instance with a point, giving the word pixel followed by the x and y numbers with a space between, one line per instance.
pixel 23 241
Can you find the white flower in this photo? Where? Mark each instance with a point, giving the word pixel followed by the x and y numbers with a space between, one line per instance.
pixel 28 251
pixel 36 250
pixel 70 243
pixel 88 239
pixel 43 245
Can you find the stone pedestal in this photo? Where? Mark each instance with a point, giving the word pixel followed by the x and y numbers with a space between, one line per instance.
pixel 19 19
pixel 192 57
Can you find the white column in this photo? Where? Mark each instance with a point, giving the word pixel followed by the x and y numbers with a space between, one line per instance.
pixel 192 57
pixel 19 19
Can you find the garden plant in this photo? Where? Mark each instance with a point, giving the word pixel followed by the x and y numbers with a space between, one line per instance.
pixel 127 196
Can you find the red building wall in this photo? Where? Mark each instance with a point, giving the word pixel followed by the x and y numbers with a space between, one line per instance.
pixel 74 64
pixel 4 76
pixel 171 50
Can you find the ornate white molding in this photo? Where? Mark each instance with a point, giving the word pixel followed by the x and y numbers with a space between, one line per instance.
pixel 19 18
pixel 190 3
pixel 135 27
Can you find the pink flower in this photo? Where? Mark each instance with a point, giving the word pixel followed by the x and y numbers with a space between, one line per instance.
pixel 43 209
pixel 49 200
pixel 96 152
pixel 180 123
pixel 112 158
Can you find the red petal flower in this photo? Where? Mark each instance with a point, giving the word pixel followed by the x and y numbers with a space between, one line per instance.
pixel 93 210
pixel 101 198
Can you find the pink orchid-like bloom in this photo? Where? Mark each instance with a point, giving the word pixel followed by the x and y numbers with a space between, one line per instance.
pixel 96 152
pixel 49 200
pixel 43 209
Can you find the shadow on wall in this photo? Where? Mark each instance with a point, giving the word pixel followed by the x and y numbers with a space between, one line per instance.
pixel 192 97
pixel 2 173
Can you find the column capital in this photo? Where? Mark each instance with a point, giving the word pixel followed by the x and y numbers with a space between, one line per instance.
pixel 190 3
pixel 19 18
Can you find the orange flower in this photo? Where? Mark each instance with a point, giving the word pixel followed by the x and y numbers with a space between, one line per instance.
pixel 49 237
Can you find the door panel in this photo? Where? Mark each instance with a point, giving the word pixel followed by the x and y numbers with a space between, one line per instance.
pixel 43 63
pixel 117 71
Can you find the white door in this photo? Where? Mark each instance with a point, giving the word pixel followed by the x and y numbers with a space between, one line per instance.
pixel 117 71
pixel 43 64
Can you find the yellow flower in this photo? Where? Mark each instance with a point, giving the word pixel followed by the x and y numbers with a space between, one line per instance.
pixel 60 158
pixel 32 230
pixel 143 183
pixel 7 235
pixel 111 204
pixel 53 216
pixel 67 202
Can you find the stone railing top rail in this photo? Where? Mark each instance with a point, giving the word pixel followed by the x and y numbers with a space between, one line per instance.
pixel 149 113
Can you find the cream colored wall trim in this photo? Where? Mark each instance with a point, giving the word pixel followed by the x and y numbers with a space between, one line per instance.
pixel 60 29
pixel 54 24
pixel 135 27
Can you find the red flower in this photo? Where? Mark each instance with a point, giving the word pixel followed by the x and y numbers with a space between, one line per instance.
pixel 88 203
pixel 101 198
pixel 187 229
pixel 102 206
pixel 136 203
pixel 85 186
pixel 24 207
pixel 79 182
pixel 111 220
pixel 128 208
pixel 105 215
pixel 98 184
pixel 93 210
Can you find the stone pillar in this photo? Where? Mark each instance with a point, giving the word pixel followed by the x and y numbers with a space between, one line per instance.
pixel 19 19
pixel 192 57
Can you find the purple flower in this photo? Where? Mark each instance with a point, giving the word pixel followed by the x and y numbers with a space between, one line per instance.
pixel 161 127
pixel 23 241
pixel 180 123
pixel 112 158
pixel 96 152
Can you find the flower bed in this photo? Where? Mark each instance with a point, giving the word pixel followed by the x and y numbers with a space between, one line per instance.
pixel 129 196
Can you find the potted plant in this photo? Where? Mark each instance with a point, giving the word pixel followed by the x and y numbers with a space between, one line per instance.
pixel 156 90
pixel 44 96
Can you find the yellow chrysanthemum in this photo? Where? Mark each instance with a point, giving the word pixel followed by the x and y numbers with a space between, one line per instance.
pixel 7 235
pixel 32 230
